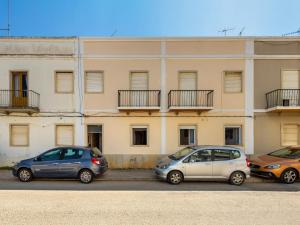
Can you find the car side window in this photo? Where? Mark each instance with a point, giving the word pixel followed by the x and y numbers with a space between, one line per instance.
pixel 235 154
pixel 71 153
pixel 200 156
pixel 221 155
pixel 52 155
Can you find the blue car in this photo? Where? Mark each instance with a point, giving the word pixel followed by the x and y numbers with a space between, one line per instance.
pixel 63 162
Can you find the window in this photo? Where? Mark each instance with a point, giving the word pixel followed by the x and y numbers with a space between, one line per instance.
pixel 71 153
pixel 221 155
pixel 200 156
pixel 187 135
pixel 64 135
pixel 19 135
pixel 188 80
pixel 139 135
pixel 64 82
pixel 233 82
pixel 290 134
pixel 233 135
pixel 94 82
pixel 51 155
pixel 235 154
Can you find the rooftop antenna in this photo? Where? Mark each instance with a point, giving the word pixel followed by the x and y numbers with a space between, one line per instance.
pixel 292 33
pixel 8 19
pixel 241 31
pixel 113 33
pixel 225 30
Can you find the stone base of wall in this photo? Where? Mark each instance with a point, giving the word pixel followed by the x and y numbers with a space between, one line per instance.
pixel 133 161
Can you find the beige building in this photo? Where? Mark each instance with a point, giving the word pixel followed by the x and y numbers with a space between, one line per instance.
pixel 138 99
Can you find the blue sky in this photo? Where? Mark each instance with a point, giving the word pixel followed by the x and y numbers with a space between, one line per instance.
pixel 150 17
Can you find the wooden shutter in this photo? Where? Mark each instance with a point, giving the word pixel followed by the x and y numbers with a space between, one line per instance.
pixel 64 135
pixel 187 81
pixel 290 79
pixel 19 135
pixel 64 82
pixel 290 134
pixel 139 81
pixel 233 82
pixel 94 82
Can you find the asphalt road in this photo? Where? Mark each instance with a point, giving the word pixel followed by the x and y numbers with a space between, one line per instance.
pixel 39 207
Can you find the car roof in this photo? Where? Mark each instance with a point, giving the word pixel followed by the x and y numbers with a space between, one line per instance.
pixel 225 147
pixel 74 146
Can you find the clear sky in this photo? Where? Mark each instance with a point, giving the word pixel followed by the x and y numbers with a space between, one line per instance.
pixel 150 17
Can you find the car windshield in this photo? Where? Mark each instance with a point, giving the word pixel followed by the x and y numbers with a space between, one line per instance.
pixel 290 153
pixel 181 153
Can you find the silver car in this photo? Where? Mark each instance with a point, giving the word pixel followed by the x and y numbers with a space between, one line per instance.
pixel 205 162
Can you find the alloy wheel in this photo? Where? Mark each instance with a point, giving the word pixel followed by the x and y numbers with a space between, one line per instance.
pixel 25 175
pixel 289 176
pixel 86 176
pixel 175 177
pixel 237 178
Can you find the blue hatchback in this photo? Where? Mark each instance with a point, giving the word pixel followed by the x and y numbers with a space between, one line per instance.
pixel 63 162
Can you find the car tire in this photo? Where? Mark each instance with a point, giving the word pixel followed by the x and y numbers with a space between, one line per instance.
pixel 289 176
pixel 175 177
pixel 25 175
pixel 237 178
pixel 86 176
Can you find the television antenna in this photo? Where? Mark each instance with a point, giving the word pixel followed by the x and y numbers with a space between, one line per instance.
pixel 8 19
pixel 292 33
pixel 113 33
pixel 225 30
pixel 241 31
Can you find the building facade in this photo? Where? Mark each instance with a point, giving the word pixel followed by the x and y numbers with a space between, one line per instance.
pixel 140 99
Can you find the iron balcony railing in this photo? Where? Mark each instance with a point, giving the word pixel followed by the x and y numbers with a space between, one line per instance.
pixel 139 98
pixel 19 99
pixel 190 98
pixel 283 97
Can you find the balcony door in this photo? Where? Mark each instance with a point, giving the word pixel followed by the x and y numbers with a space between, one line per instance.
pixel 290 85
pixel 19 92
pixel 188 85
pixel 139 87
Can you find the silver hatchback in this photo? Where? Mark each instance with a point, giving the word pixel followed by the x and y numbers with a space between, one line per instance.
pixel 205 162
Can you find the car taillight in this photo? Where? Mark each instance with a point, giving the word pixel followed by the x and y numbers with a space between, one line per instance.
pixel 95 161
pixel 248 162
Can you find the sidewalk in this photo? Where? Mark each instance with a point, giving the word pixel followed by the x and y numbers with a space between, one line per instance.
pixel 128 175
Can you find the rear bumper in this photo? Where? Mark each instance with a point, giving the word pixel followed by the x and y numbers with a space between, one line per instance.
pixel 100 169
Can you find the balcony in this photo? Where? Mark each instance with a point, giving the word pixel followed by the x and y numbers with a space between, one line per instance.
pixel 25 101
pixel 139 100
pixel 190 100
pixel 283 100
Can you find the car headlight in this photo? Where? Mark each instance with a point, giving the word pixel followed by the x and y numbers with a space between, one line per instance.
pixel 273 166
pixel 165 166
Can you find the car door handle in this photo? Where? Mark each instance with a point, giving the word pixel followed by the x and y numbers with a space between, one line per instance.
pixel 77 162
pixel 66 163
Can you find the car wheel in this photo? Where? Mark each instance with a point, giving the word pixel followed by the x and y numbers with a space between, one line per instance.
pixel 237 178
pixel 24 175
pixel 175 177
pixel 85 176
pixel 288 176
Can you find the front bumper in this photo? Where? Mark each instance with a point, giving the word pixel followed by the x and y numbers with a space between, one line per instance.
pixel 264 174
pixel 161 173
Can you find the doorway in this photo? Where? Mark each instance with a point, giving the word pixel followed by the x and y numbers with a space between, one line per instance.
pixel 19 86
pixel 95 136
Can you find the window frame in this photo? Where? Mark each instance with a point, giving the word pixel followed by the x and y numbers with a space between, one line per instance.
pixel 56 80
pixel 27 136
pixel 225 150
pixel 187 71
pixel 240 134
pixel 281 133
pixel 242 81
pixel 195 133
pixel 131 135
pixel 73 134
pixel 85 81
pixel 138 71
pixel 53 149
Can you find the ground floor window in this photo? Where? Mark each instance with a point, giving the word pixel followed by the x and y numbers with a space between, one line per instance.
pixel 290 134
pixel 233 135
pixel 139 135
pixel 64 135
pixel 187 135
pixel 19 135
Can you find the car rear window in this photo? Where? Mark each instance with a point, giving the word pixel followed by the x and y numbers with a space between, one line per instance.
pixel 95 152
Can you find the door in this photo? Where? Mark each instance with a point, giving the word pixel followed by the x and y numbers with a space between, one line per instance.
pixel 48 164
pixel 19 89
pixel 198 165
pixel 71 162
pixel 290 81
pixel 222 163
pixel 95 136
pixel 188 85
pixel 139 87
